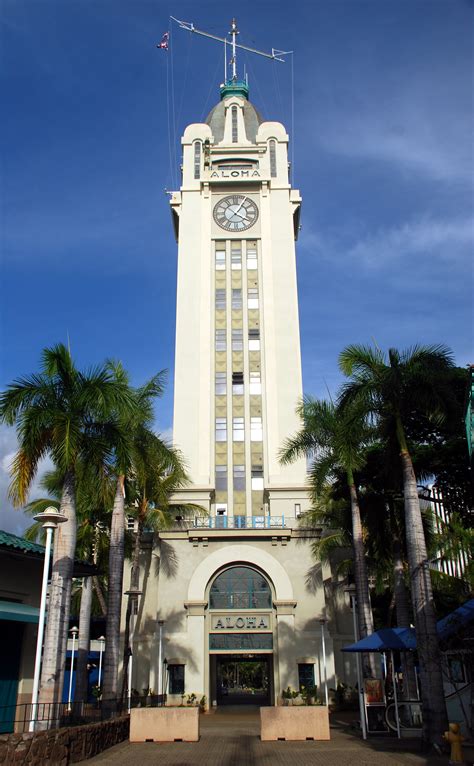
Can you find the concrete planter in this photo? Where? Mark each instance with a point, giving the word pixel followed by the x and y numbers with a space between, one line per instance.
pixel 164 724
pixel 294 723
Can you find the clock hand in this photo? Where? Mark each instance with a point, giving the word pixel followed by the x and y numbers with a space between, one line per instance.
pixel 236 211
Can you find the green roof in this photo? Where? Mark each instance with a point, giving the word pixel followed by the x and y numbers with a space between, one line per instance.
pixel 13 541
pixel 9 541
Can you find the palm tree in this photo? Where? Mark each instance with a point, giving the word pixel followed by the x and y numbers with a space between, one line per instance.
pixel 392 390
pixel 156 474
pixel 60 412
pixel 127 425
pixel 333 441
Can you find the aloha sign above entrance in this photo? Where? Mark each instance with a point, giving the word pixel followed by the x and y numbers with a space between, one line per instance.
pixel 240 622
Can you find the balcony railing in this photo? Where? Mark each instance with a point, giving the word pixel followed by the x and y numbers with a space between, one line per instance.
pixel 240 522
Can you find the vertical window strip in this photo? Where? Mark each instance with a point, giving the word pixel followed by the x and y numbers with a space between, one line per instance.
pixel 235 136
pixel 273 159
pixel 197 159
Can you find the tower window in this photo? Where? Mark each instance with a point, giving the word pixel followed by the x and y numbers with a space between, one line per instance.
pixel 254 340
pixel 220 260
pixel 221 429
pixel 239 478
pixel 221 477
pixel 273 158
pixel 220 298
pixel 237 340
pixel 257 477
pixel 251 256
pixel 197 159
pixel 237 382
pixel 236 259
pixel 235 136
pixel 252 298
pixel 256 432
pixel 238 430
pixel 237 299
pixel 221 384
pixel 255 383
pixel 220 340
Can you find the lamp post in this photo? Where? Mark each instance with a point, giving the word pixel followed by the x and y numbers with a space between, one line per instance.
pixel 323 645
pixel 160 659
pixel 134 594
pixel 101 651
pixel 50 519
pixel 74 631
pixel 353 600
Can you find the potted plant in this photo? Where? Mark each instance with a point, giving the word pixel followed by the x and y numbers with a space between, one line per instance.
pixel 202 703
pixel 289 695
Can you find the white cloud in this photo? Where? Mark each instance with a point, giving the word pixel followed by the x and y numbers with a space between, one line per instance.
pixel 442 240
pixel 446 240
pixel 12 519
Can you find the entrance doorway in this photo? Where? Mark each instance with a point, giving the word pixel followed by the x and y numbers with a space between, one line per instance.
pixel 242 679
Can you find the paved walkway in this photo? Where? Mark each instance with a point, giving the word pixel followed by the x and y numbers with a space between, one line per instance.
pixel 230 737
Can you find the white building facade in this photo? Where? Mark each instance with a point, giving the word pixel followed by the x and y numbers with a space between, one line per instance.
pixel 238 584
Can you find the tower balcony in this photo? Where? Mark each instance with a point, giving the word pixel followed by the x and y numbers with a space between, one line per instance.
pixel 240 522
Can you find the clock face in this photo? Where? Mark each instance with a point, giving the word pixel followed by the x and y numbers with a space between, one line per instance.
pixel 235 213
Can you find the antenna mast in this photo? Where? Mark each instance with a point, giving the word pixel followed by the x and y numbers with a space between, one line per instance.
pixel 276 54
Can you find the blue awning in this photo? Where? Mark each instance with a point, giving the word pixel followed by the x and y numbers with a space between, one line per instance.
pixel 404 639
pixel 458 619
pixel 11 610
pixel 386 640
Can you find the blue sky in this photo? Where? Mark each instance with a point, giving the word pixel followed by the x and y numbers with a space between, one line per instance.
pixel 383 156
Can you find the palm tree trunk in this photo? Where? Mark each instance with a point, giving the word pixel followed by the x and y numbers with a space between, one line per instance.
pixel 364 609
pixel 80 693
pixel 57 627
pixel 116 558
pixel 134 585
pixel 403 618
pixel 100 596
pixel 431 681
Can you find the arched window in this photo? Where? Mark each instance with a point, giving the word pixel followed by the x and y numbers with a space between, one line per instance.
pixel 235 136
pixel 273 158
pixel 240 588
pixel 197 159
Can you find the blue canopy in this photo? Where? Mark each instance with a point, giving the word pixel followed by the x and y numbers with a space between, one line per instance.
pixel 458 619
pixel 386 640
pixel 404 639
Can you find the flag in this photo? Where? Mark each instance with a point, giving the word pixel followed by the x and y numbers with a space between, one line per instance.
pixel 164 41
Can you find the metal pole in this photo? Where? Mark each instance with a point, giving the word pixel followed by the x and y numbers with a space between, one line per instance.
pixel 130 661
pixel 42 614
pixel 101 641
pixel 234 52
pixel 359 673
pixel 160 658
pixel 323 642
pixel 225 61
pixel 395 695
pixel 74 632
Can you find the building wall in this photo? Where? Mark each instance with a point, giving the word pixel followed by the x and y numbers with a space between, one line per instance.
pixel 20 580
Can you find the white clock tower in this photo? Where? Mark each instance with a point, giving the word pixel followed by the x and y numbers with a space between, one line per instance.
pixel 236 588
pixel 238 366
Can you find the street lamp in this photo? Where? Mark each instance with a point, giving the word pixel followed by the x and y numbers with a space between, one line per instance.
pixel 50 519
pixel 101 650
pixel 74 632
pixel 160 659
pixel 322 622
pixel 133 593
pixel 351 591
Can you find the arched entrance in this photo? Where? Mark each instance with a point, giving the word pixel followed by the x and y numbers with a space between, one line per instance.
pixel 241 637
